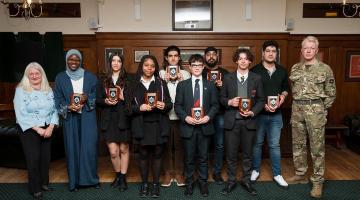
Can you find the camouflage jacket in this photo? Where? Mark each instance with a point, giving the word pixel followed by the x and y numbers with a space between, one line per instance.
pixel 313 82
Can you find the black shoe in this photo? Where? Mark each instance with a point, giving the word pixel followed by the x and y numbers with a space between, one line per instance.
pixel 248 187
pixel 144 190
pixel 155 192
pixel 37 195
pixel 116 183
pixel 229 187
pixel 189 189
pixel 218 179
pixel 46 188
pixel 97 186
pixel 76 189
pixel 123 184
pixel 204 191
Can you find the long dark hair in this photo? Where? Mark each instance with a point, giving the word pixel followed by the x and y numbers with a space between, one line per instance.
pixel 108 82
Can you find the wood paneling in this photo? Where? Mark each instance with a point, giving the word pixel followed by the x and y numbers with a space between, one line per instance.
pixel 334 48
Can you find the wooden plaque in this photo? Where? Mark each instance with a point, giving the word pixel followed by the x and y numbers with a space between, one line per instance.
pixel 244 105
pixel 173 71
pixel 197 113
pixel 151 99
pixel 76 99
pixel 273 102
pixel 113 93
pixel 213 75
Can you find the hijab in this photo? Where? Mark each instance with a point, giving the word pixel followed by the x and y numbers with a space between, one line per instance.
pixel 79 73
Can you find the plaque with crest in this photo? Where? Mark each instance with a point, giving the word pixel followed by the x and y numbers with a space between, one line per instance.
pixel 273 102
pixel 244 105
pixel 113 93
pixel 197 113
pixel 173 71
pixel 151 99
pixel 76 99
pixel 214 75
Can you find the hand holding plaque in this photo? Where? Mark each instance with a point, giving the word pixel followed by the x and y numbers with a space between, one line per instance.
pixel 173 71
pixel 76 99
pixel 151 99
pixel 197 113
pixel 273 102
pixel 113 93
pixel 213 75
pixel 244 105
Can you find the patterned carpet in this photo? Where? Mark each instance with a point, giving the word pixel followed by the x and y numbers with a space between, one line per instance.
pixel 336 190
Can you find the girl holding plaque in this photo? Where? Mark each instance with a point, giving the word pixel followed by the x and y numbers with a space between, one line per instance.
pixel 150 124
pixel 79 121
pixel 114 120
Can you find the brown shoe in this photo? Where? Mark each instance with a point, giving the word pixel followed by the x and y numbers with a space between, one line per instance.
pixel 316 190
pixel 296 179
pixel 167 179
pixel 180 180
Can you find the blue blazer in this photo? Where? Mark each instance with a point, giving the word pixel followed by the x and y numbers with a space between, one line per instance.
pixel 184 101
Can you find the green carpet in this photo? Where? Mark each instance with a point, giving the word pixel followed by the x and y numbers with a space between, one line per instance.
pixel 337 190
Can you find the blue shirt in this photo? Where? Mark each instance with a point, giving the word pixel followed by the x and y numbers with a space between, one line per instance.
pixel 35 108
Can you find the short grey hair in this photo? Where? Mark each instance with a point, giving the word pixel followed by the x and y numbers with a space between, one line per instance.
pixel 310 38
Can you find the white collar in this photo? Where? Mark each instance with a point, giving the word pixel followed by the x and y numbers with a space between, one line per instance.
pixel 144 81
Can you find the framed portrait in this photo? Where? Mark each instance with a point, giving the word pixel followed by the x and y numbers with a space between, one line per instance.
pixel 186 53
pixel 192 15
pixel 139 54
pixel 109 51
pixel 352 72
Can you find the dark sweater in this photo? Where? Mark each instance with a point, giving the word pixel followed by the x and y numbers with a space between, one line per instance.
pixel 274 84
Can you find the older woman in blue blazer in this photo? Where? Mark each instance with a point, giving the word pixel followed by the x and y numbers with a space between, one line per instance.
pixel 36 115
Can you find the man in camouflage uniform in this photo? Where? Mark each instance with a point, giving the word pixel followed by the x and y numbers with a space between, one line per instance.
pixel 314 91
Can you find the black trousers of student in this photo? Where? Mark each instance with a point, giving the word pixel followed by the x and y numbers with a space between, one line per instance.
pixel 146 152
pixel 37 151
pixel 240 135
pixel 196 147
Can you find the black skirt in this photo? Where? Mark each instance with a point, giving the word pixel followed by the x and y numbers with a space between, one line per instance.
pixel 151 134
pixel 113 133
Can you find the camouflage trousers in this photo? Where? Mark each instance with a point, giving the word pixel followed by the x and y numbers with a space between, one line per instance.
pixel 309 121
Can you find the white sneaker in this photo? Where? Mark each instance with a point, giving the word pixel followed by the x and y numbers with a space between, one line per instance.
pixel 254 175
pixel 280 181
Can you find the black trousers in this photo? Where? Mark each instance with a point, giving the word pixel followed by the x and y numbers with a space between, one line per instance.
pixel 197 146
pixel 239 136
pixel 37 154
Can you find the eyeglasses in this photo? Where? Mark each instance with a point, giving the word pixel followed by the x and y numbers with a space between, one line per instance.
pixel 198 66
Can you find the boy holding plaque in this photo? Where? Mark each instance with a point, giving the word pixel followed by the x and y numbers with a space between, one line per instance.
pixel 216 74
pixel 196 105
pixel 242 96
pixel 276 87
pixel 149 102
pixel 172 73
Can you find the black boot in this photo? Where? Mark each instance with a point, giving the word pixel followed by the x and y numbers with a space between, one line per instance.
pixel 116 182
pixel 155 192
pixel 123 183
pixel 144 190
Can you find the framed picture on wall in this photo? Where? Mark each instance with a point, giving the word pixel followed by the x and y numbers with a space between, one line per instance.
pixel 186 53
pixel 139 54
pixel 352 68
pixel 192 15
pixel 109 51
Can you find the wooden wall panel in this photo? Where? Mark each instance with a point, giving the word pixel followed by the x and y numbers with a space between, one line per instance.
pixel 334 48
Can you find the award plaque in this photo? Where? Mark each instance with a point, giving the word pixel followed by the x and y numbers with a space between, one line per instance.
pixel 197 113
pixel 76 99
pixel 113 93
pixel 244 105
pixel 173 71
pixel 214 75
pixel 273 102
pixel 151 99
